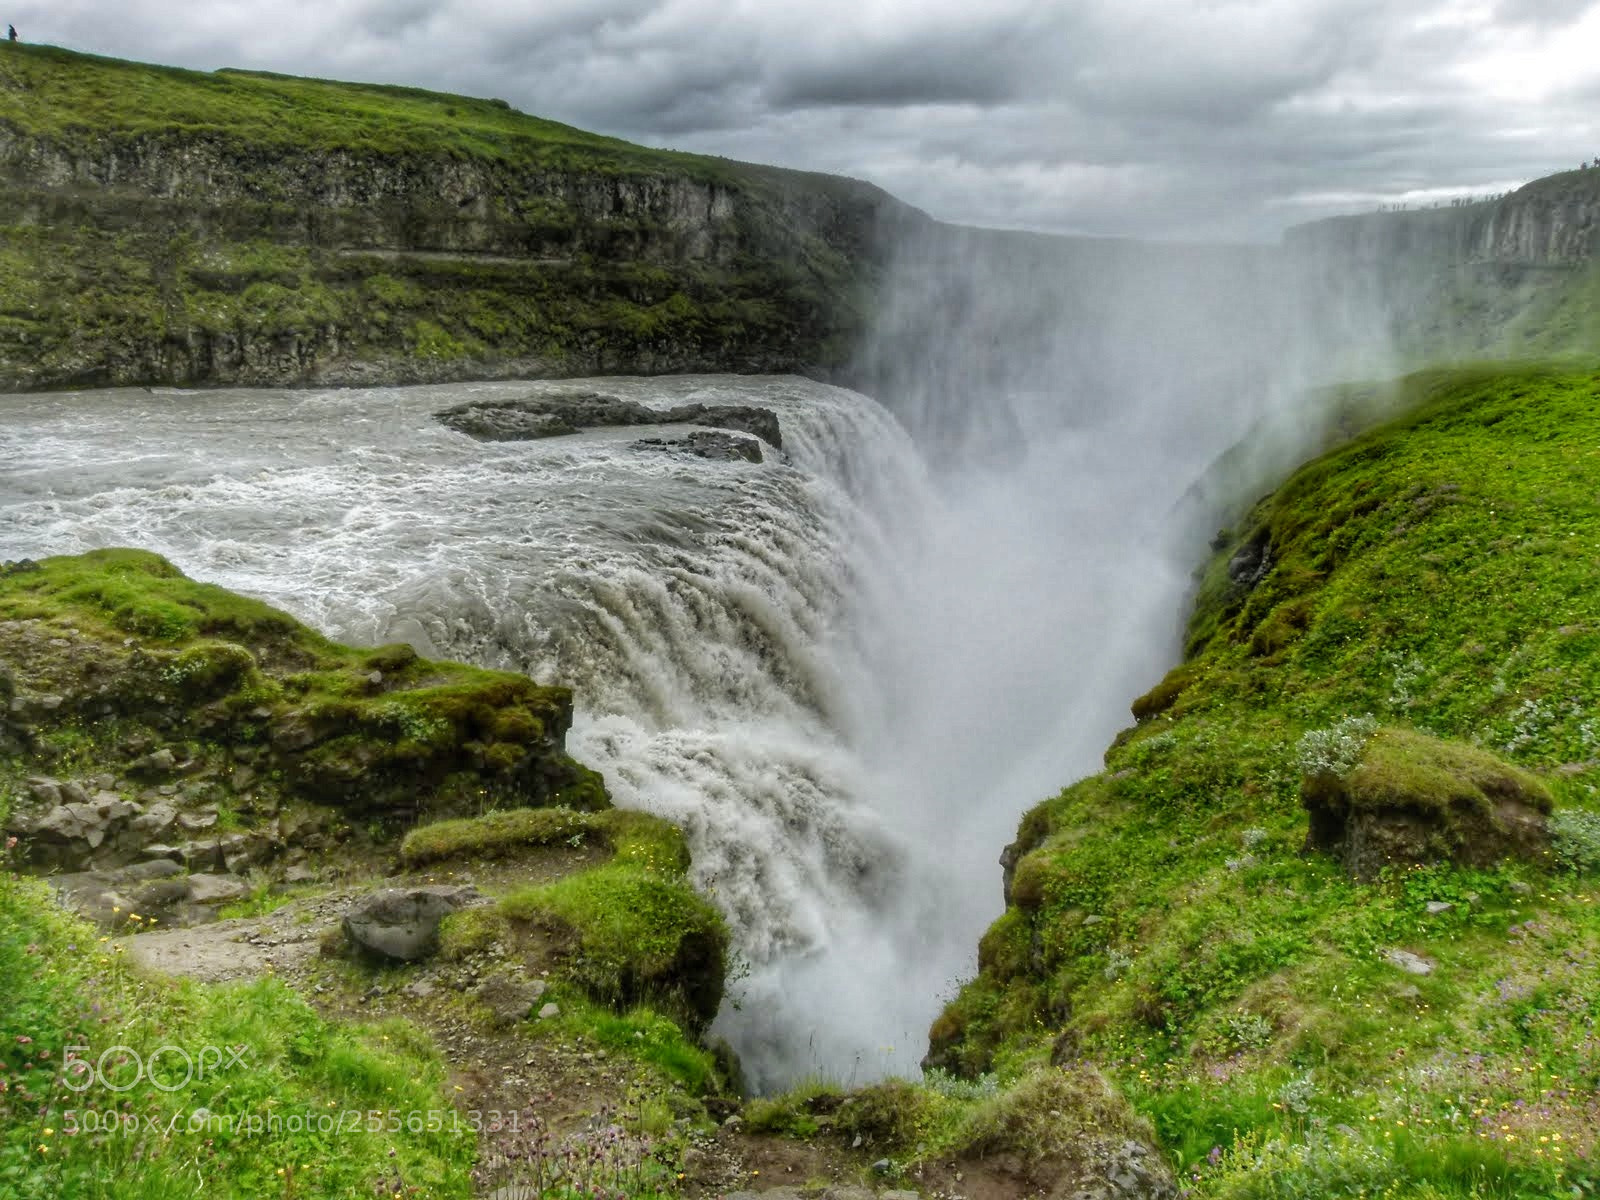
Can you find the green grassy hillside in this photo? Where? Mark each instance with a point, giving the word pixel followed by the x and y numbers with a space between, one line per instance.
pixel 81 98
pixel 163 225
pixel 1409 624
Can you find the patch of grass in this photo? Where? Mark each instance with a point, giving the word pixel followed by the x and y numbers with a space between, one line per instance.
pixel 644 1035
pixel 266 897
pixel 471 931
pixel 1047 1114
pixel 250 1125
pixel 642 935
pixel 796 1113
pixel 634 837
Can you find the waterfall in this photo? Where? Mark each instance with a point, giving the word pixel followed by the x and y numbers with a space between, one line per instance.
pixel 845 671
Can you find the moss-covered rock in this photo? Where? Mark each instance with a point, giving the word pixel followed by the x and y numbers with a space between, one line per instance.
pixel 635 931
pixel 119 647
pixel 1414 799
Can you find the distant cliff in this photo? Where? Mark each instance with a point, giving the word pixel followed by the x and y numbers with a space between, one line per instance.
pixel 1552 222
pixel 167 226
pixel 1514 277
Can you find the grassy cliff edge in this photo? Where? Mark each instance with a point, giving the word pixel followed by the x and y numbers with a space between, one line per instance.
pixel 1402 636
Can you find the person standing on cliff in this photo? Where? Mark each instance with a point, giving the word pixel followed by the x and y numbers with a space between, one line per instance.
pixel 11 33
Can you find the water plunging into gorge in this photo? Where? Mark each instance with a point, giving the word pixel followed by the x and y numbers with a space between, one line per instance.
pixel 845 671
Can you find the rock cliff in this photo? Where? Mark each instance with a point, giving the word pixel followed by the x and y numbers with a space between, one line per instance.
pixel 256 229
pixel 1509 278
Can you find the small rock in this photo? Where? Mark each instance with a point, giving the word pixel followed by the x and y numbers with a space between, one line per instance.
pixel 883 1166
pixel 550 1011
pixel 197 822
pixel 420 989
pixel 1093 919
pixel 161 893
pixel 1518 888
pixel 508 998
pixel 155 822
pixel 44 790
pixel 157 762
pixel 155 868
pixel 1435 907
pixel 1412 964
pixel 216 889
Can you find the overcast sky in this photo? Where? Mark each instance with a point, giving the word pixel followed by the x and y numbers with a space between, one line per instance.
pixel 1160 118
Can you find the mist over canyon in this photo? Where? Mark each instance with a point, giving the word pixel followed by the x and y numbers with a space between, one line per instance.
pixel 845 670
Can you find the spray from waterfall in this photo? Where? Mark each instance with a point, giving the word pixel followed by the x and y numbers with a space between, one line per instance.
pixel 845 673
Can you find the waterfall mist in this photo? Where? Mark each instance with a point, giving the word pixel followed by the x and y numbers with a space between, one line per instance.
pixel 846 672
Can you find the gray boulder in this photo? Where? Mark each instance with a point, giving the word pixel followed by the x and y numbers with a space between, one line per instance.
pixel 403 923
pixel 74 836
pixel 216 889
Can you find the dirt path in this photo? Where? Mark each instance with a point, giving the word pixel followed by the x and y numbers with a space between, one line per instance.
pixel 283 942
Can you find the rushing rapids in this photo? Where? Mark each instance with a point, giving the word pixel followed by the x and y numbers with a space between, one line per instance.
pixel 842 675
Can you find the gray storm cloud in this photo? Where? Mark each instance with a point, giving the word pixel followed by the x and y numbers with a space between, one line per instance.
pixel 1223 119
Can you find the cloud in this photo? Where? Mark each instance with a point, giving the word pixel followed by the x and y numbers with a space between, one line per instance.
pixel 1165 118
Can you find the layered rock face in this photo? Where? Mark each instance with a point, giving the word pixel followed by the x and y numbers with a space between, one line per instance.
pixel 386 234
pixel 1551 222
pixel 1517 277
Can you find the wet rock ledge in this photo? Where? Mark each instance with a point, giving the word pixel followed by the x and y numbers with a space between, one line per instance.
pixel 538 416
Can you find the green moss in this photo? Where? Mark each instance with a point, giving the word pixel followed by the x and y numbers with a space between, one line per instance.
pixel 634 838
pixel 1165 694
pixel 1408 769
pixel 794 1113
pixel 361 728
pixel 643 934
pixel 471 931
pixel 1047 1117
pixel 136 592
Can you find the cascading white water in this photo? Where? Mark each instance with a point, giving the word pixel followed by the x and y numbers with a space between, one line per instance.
pixel 843 675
